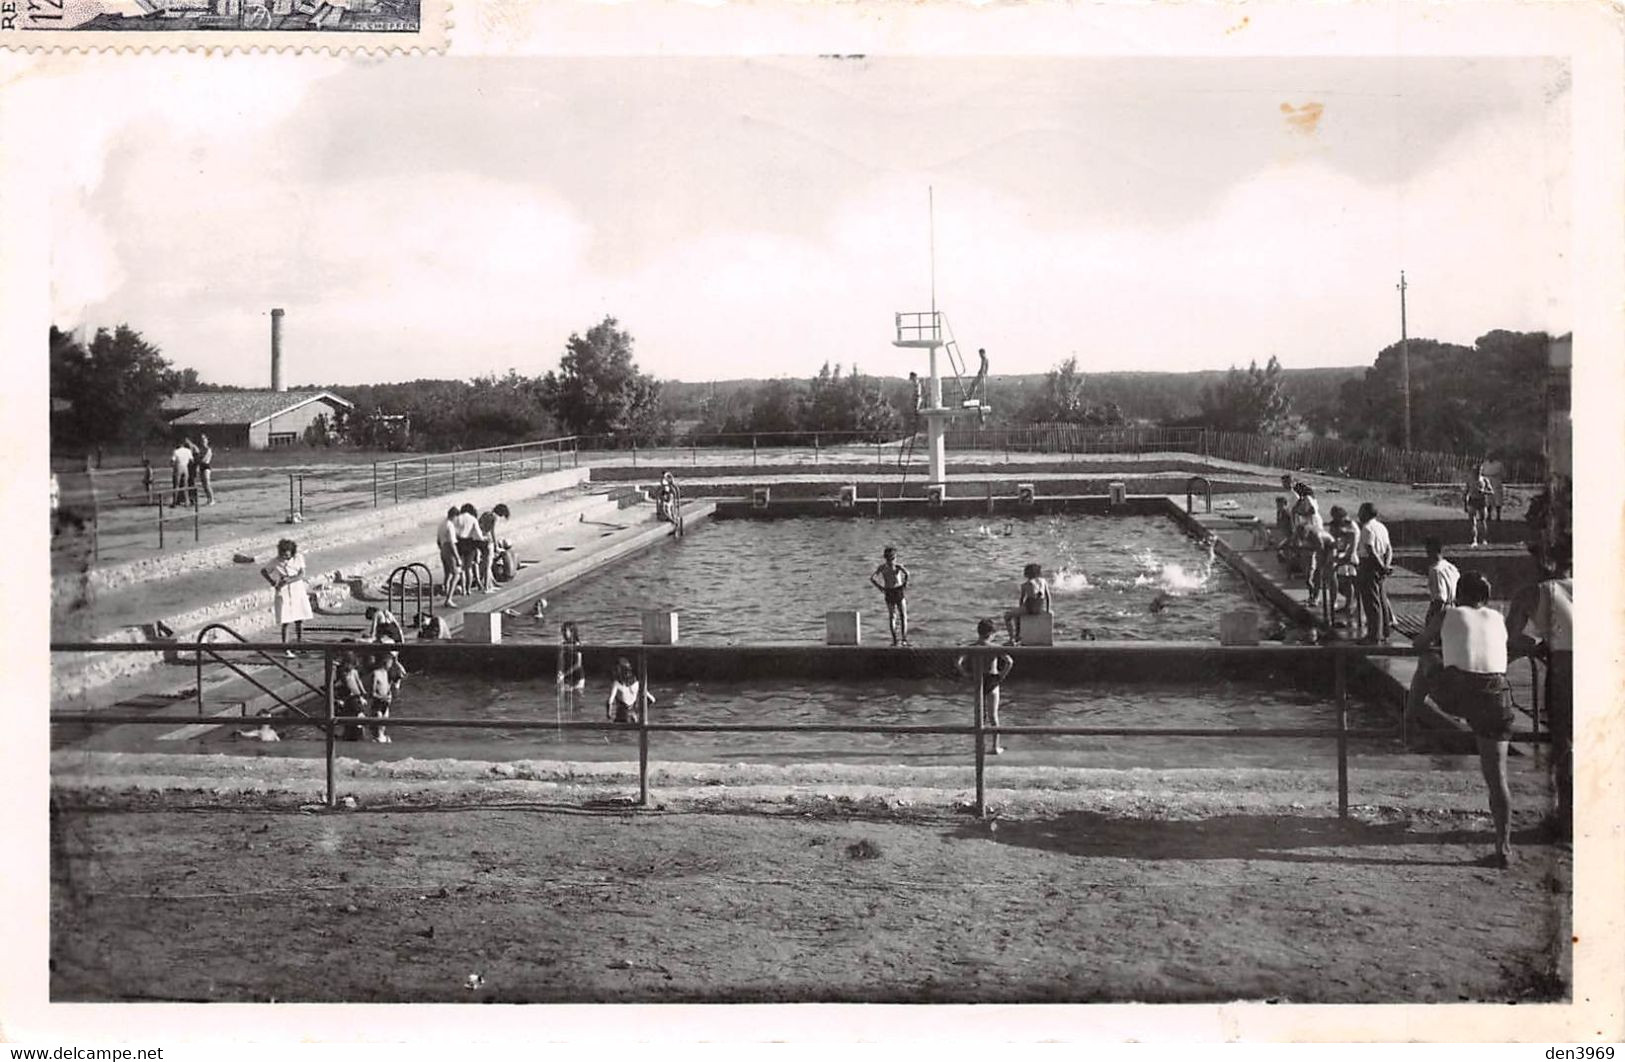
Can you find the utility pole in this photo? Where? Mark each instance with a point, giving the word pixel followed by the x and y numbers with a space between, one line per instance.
pixel 1404 361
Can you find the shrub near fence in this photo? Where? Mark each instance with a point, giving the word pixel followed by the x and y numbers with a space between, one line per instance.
pixel 1386 464
pixel 1357 460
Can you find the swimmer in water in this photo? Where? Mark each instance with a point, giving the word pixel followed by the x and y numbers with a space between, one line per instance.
pixel 1159 602
pixel 993 673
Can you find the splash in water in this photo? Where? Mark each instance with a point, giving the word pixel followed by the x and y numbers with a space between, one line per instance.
pixel 1068 581
pixel 1173 577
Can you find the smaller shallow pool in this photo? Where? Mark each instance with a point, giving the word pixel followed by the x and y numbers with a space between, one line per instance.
pixel 1219 704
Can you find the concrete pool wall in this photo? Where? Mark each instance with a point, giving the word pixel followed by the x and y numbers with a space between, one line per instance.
pixel 1196 662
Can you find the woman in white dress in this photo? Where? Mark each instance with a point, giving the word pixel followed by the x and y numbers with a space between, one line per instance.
pixel 286 575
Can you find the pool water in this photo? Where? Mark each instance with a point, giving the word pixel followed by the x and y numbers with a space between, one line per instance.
pixel 743 582
pixel 1215 704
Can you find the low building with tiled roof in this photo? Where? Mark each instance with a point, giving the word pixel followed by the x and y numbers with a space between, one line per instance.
pixel 253 419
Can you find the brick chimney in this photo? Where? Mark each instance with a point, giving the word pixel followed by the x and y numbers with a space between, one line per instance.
pixel 276 350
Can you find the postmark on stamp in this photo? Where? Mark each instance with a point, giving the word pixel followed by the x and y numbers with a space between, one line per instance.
pixel 213 23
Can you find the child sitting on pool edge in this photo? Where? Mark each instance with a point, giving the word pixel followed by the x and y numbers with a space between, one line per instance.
pixel 1034 600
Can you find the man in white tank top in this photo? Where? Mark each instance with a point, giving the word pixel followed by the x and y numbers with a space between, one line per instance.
pixel 1473 642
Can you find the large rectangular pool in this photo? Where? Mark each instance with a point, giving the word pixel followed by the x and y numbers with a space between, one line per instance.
pixel 743 581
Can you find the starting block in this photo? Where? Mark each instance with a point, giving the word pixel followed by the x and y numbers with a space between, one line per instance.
pixel 1025 494
pixel 659 627
pixel 482 627
pixel 1239 627
pixel 934 494
pixel 1116 493
pixel 759 497
pixel 843 627
pixel 1037 630
pixel 848 498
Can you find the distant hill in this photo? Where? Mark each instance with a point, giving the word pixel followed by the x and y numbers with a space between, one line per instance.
pixel 1156 396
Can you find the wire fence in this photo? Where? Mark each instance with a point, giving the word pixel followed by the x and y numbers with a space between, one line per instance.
pixel 1370 461
pixel 179 517
pixel 642 716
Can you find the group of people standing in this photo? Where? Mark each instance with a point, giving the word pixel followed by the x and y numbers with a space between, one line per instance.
pixel 474 555
pixel 1344 561
pixel 367 676
pixel 190 467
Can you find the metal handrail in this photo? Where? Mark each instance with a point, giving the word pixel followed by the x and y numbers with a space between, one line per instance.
pixel 645 726
pixel 202 644
pixel 919 326
pixel 398 578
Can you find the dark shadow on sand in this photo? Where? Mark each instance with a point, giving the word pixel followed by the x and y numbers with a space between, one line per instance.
pixel 1278 838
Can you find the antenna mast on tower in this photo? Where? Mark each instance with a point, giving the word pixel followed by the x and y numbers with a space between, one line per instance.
pixel 931 223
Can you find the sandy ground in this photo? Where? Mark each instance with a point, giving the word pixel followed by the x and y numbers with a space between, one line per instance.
pixel 1192 886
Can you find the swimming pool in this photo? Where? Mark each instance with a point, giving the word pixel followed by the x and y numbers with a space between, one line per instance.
pixel 1219 704
pixel 742 582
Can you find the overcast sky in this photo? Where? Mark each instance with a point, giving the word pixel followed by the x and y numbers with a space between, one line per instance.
pixel 442 217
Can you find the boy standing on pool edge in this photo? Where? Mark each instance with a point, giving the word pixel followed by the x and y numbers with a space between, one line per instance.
pixel 891 579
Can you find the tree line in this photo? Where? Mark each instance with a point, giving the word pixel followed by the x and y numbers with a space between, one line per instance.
pixel 110 392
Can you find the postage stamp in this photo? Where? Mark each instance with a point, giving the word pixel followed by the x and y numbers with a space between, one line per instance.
pixel 73 24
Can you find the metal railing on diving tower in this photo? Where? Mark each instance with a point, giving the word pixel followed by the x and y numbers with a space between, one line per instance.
pixel 929 330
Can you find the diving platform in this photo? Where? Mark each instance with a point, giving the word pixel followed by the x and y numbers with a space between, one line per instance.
pixel 929 330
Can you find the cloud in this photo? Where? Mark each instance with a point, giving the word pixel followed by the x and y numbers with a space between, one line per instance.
pixel 493 209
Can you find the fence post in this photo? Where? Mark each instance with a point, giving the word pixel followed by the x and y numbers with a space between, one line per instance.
pixel 197 530
pixel 425 477
pixel 199 659
pixel 454 475
pixel 693 453
pixel 327 672
pixel 575 452
pixel 375 484
pixel 1341 672
pixel 815 448
pixel 979 668
pixel 160 521
pixel 291 509
pixel 634 453
pixel 643 728
pixel 396 465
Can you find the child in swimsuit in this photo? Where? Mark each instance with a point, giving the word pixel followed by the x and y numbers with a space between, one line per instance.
pixel 626 696
pixel 992 677
pixel 572 675
pixel 891 579
pixel 380 687
pixel 1034 600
